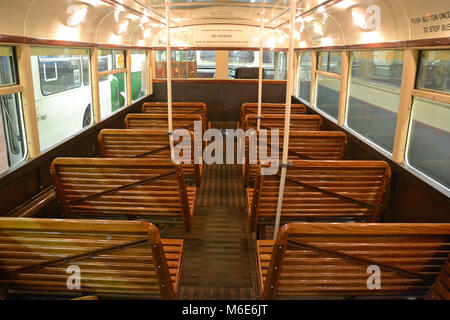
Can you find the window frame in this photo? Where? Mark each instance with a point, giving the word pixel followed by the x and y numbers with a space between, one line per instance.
pixel 16 89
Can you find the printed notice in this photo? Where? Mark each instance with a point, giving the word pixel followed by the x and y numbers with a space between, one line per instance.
pixel 221 36
pixel 432 23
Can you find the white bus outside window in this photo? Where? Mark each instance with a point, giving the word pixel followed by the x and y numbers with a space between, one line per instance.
pixel 62 91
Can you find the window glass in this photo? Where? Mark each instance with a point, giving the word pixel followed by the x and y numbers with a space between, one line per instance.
pixel 206 64
pixel 138 74
pixel 12 133
pixel 187 64
pixel 304 76
pixel 245 65
pixel 330 61
pixel 113 95
pixel 327 94
pixel 374 95
pixel 428 142
pixel 59 73
pixel 110 60
pixel 7 67
pixel 434 70
pixel 62 91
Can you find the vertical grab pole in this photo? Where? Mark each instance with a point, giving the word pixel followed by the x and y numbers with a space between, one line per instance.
pixel 261 41
pixel 169 81
pixel 290 75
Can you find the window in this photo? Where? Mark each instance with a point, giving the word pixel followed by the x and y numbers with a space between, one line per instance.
pixel 59 73
pixel 187 64
pixel 304 76
pixel 434 70
pixel 327 94
pixel 62 92
pixel 112 84
pixel 138 75
pixel 12 133
pixel 245 65
pixel 429 129
pixel 374 95
pixel 330 61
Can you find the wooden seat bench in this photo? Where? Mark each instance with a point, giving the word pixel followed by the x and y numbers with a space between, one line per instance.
pixel 154 144
pixel 302 122
pixel 306 145
pixel 332 260
pixel 267 108
pixel 441 287
pixel 151 189
pixel 178 108
pixel 116 259
pixel 160 122
pixel 321 190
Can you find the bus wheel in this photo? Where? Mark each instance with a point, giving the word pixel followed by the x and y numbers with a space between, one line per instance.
pixel 87 117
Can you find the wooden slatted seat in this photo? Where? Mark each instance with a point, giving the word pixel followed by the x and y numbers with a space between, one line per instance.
pixel 276 121
pixel 160 122
pixel 150 189
pixel 441 287
pixel 321 190
pixel 119 259
pixel 178 108
pixel 336 260
pixel 154 144
pixel 268 108
pixel 307 145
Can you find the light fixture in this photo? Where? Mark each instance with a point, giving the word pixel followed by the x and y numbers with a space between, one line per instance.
pixel 117 12
pixel 318 29
pixel 122 26
pixel 77 14
pixel 359 19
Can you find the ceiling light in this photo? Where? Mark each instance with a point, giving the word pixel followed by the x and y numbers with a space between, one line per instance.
pixel 318 29
pixel 359 19
pixel 77 14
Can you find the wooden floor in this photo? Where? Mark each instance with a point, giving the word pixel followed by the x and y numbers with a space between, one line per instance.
pixel 219 258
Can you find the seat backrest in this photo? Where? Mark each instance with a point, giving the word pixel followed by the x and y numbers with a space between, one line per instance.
pixel 135 143
pixel 33 252
pixel 347 259
pixel 268 108
pixel 160 121
pixel 148 188
pixel 177 108
pixel 303 145
pixel 307 145
pixel 441 287
pixel 324 190
pixel 276 121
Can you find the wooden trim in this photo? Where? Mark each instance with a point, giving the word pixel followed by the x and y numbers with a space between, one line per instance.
pixel 95 85
pixel 344 85
pixel 410 61
pixel 4 38
pixel 31 207
pixel 312 93
pixel 329 74
pixel 150 64
pixel 220 49
pixel 12 39
pixel 205 80
pixel 128 76
pixel 431 95
pixel 10 89
pixel 28 100
pixel 115 71
pixel 420 43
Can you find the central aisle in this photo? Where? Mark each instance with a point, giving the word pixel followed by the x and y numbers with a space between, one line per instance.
pixel 219 261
